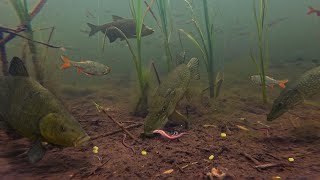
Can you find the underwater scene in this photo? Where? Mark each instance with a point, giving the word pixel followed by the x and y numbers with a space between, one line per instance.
pixel 160 89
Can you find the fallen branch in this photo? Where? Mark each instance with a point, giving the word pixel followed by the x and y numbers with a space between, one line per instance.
pixel 21 27
pixel 153 15
pixel 156 72
pixel 117 131
pixel 105 112
pixel 256 162
pixel 266 166
pixel 187 165
pixel 16 34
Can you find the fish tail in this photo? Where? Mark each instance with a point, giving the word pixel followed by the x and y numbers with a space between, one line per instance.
pixel 310 10
pixel 193 65
pixel 66 62
pixel 93 29
pixel 282 83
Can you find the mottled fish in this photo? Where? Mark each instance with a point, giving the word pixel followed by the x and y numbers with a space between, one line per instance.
pixel 270 82
pixel 87 67
pixel 305 87
pixel 163 103
pixel 127 26
pixel 34 112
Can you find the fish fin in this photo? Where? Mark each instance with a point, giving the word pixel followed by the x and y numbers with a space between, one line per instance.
pixel 282 83
pixel 112 38
pixel 17 68
pixel 116 18
pixel 310 10
pixel 66 62
pixel 193 65
pixel 112 34
pixel 93 29
pixel 36 152
pixel 79 70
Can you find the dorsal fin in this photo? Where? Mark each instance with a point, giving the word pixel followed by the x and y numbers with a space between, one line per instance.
pixel 17 68
pixel 116 18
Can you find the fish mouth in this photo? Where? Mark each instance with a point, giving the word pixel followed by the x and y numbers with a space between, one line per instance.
pixel 81 141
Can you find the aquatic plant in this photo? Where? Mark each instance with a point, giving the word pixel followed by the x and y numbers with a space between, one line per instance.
pixel 21 8
pixel 206 45
pixel 164 12
pixel 141 108
pixel 262 29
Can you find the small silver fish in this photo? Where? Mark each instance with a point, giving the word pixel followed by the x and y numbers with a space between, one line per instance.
pixel 270 82
pixel 87 67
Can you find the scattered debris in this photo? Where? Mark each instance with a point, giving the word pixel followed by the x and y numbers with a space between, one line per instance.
pixel 256 162
pixel 242 128
pixel 266 166
pixel 217 173
pixel 209 125
pixel 103 110
pixel 168 171
pixel 187 165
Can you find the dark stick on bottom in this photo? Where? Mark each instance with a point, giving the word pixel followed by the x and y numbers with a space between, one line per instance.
pixel 156 72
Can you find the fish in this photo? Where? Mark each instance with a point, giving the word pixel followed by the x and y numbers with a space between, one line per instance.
pixel 303 88
pixel 90 68
pixel 32 111
pixel 277 21
pixel 312 10
pixel 127 26
pixel 270 82
pixel 172 89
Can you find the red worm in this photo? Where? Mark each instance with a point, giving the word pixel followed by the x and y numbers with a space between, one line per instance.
pixel 164 134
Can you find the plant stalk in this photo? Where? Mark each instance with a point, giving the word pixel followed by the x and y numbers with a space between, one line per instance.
pixel 3 57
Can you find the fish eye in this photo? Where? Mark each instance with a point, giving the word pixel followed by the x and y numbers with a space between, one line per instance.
pixel 62 128
pixel 280 104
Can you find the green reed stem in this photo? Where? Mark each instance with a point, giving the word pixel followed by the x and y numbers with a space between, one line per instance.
pixel 262 44
pixel 165 29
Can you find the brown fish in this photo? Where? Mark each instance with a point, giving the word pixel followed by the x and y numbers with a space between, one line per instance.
pixel 127 26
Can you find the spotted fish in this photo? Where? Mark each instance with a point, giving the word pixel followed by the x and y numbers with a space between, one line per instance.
pixel 163 103
pixel 305 87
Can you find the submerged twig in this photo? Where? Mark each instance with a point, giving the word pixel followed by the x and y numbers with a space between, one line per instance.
pixel 117 131
pixel 256 162
pixel 102 109
pixel 156 72
pixel 153 15
pixel 266 166
pixel 38 42
pixel 21 27
pixel 50 35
